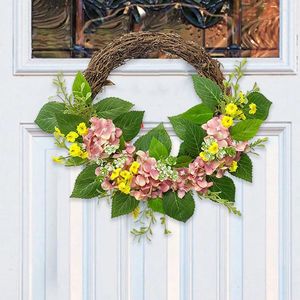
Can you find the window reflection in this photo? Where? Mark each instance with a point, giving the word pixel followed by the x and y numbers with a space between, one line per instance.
pixel 226 28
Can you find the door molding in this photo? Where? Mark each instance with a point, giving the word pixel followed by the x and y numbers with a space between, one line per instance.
pixel 24 64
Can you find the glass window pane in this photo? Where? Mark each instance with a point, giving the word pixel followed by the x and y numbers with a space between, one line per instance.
pixel 226 28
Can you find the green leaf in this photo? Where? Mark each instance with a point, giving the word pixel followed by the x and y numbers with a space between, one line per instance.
pixel 122 144
pixel 74 161
pixel 208 91
pixel 68 122
pixel 160 133
pixel 225 186
pixel 181 125
pixel 178 209
pixel 245 130
pixel 244 170
pixel 183 151
pixel 262 106
pixel 183 161
pixel 82 88
pixel 46 118
pixel 122 204
pixel 112 107
pixel 86 185
pixel 156 205
pixel 157 149
pixel 130 123
pixel 192 141
pixel 198 114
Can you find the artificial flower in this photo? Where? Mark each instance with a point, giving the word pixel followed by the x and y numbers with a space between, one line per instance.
pixel 72 136
pixel 233 166
pixel 115 174
pixel 227 121
pixel 102 134
pixel 82 129
pixel 213 148
pixel 134 167
pixel 231 109
pixel 203 156
pixel 125 174
pixel 75 150
pixel 57 132
pixel 253 108
pixel 57 159
pixel 124 188
pixel 215 128
pixel 242 98
pixel 136 212
pixel 84 155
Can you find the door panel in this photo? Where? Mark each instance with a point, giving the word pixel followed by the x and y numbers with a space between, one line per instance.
pixel 73 250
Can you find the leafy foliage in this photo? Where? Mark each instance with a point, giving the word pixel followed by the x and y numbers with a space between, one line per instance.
pixel 245 130
pixel 156 205
pixel 74 161
pixel 160 133
pixel 224 186
pixel 112 107
pixel 215 197
pixel 130 123
pixel 262 104
pixel 183 161
pixel 208 91
pixel 244 170
pixel 122 204
pixel 86 185
pixel 67 122
pixel 157 149
pixel 46 118
pixel 193 139
pixel 178 209
pixel 81 88
pixel 80 100
pixel 198 114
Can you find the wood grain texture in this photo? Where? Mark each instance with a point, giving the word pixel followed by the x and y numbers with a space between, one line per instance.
pixel 51 28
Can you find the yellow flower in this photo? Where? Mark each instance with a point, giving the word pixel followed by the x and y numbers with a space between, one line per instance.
pixel 231 109
pixel 115 174
pixel 75 150
pixel 233 166
pixel 124 188
pixel 72 136
pixel 227 121
pixel 84 155
pixel 253 109
pixel 57 159
pixel 213 148
pixel 242 98
pixel 241 115
pixel 125 174
pixel 82 129
pixel 57 132
pixel 203 156
pixel 136 212
pixel 134 168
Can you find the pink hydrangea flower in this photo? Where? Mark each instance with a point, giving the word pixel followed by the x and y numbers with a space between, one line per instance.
pixel 101 134
pixel 215 128
pixel 194 177
pixel 145 183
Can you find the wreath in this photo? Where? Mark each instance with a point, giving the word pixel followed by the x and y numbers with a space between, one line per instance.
pixel 139 174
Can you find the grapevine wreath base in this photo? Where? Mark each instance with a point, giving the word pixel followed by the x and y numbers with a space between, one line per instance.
pixel 139 174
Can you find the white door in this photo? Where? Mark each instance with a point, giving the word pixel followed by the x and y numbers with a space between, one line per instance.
pixel 54 248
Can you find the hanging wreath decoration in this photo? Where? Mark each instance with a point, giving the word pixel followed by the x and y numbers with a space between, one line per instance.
pixel 139 174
